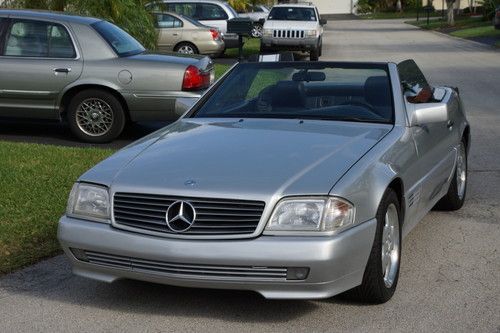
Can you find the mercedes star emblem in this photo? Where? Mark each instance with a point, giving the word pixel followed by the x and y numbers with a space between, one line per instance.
pixel 180 216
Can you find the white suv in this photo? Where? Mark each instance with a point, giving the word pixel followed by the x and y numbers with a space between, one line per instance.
pixel 293 27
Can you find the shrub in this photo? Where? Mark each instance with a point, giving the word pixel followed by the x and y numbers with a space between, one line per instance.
pixel 130 15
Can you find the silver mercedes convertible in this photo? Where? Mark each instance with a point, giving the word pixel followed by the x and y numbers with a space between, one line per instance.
pixel 292 179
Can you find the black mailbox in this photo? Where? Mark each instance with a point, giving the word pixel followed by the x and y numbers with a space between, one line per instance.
pixel 240 25
pixel 428 9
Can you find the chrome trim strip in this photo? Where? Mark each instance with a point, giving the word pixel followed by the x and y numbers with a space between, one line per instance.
pixel 170 94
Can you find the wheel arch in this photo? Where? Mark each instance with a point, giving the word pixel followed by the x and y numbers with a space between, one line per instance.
pixel 187 42
pixel 466 137
pixel 397 186
pixel 72 91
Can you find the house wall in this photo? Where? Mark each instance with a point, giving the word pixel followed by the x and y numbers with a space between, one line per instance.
pixel 335 6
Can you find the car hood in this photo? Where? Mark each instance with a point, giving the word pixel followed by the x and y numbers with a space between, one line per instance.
pixel 290 25
pixel 239 159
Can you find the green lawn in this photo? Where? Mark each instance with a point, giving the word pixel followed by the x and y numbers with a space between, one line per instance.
pixel 481 31
pixel 460 23
pixel 465 27
pixel 251 46
pixel 395 15
pixel 35 181
pixel 220 69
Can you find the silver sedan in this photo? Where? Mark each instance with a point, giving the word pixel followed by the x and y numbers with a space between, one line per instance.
pixel 90 73
pixel 293 179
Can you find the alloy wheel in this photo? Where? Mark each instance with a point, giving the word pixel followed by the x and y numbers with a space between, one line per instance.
pixel 390 246
pixel 461 173
pixel 94 117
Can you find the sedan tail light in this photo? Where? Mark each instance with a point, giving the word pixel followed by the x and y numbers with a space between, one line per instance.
pixel 215 34
pixel 194 79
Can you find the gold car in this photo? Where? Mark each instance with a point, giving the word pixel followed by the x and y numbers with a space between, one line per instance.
pixel 182 34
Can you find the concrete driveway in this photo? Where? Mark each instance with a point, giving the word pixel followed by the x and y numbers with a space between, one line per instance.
pixel 450 276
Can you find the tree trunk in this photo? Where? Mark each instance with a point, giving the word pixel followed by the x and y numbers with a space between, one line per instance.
pixel 399 7
pixel 450 12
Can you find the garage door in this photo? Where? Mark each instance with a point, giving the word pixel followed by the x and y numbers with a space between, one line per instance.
pixel 333 6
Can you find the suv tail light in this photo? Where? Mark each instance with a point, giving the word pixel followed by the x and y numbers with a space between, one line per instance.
pixel 215 34
pixel 194 79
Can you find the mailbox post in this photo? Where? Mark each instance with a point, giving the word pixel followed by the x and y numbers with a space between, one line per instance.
pixel 428 10
pixel 241 26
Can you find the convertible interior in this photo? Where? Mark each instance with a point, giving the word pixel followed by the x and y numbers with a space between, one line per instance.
pixel 307 95
pixel 372 100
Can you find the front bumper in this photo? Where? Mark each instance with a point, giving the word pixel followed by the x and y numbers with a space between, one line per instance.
pixel 335 263
pixel 292 44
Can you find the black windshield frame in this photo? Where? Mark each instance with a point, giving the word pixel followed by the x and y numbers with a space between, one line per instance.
pixel 297 65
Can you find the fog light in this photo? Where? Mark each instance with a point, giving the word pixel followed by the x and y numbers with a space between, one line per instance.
pixel 79 254
pixel 297 273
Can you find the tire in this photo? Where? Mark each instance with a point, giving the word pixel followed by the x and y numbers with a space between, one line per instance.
pixel 379 286
pixel 455 197
pixel 256 31
pixel 186 48
pixel 314 55
pixel 320 52
pixel 95 116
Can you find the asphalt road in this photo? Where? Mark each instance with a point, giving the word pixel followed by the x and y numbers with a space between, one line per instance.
pixel 450 276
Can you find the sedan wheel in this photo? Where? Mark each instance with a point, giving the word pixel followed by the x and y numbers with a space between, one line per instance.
pixel 95 116
pixel 186 48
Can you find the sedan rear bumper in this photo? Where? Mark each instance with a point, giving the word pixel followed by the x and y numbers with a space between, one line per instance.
pixel 265 264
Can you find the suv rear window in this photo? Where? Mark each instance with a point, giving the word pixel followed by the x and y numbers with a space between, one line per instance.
pixel 292 14
pixel 210 11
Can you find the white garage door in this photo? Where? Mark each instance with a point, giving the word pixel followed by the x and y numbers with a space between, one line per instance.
pixel 334 6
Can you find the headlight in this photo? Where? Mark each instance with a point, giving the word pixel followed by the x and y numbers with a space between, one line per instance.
pixel 267 32
pixel 323 215
pixel 89 202
pixel 311 33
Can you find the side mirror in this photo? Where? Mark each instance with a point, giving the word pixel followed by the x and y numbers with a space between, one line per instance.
pixel 323 21
pixel 427 113
pixel 262 21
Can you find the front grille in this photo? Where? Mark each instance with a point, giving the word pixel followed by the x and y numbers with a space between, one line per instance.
pixel 289 34
pixel 196 270
pixel 213 216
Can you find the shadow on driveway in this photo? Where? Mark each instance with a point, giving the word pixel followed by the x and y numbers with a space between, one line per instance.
pixel 52 280
pixel 55 133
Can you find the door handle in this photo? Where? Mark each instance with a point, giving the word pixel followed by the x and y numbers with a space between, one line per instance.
pixel 450 124
pixel 174 34
pixel 62 70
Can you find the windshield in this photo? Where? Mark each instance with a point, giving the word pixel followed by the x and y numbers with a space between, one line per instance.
pixel 303 90
pixel 292 14
pixel 123 44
